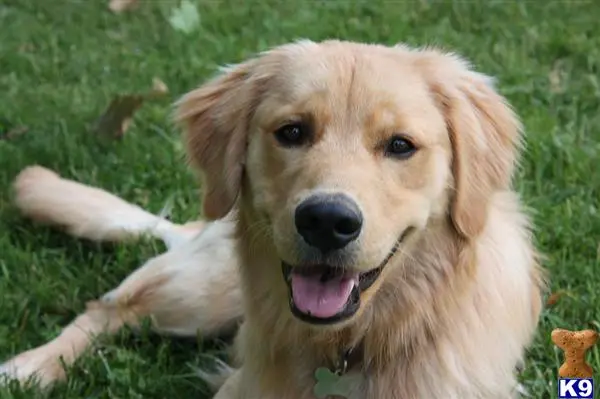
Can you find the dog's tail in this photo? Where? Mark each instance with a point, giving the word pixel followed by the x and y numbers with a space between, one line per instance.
pixel 89 212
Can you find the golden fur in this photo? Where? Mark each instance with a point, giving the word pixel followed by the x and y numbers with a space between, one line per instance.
pixel 456 305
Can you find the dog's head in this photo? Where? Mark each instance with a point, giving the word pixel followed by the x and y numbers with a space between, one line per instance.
pixel 347 153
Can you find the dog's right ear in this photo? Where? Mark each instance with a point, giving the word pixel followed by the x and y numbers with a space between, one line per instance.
pixel 485 135
pixel 215 119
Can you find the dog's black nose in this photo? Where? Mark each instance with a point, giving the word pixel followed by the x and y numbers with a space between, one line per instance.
pixel 328 222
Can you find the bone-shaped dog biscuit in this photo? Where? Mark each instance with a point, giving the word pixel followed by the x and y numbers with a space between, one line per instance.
pixel 574 345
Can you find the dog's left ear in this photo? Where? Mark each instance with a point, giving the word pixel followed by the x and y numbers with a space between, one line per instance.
pixel 485 135
pixel 215 119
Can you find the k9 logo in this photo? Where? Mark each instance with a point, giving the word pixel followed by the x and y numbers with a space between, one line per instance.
pixel 575 388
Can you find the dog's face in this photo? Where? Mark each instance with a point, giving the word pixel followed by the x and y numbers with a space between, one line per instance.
pixel 346 154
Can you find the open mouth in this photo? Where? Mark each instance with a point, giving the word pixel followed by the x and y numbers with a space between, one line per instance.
pixel 325 294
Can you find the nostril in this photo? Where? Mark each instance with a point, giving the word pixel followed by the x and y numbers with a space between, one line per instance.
pixel 347 226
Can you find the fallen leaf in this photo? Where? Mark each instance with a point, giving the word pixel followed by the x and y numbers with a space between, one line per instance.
pixel 185 18
pixel 26 48
pixel 159 87
pixel 8 131
pixel 553 298
pixel 118 6
pixel 117 118
pixel 16 132
pixel 115 121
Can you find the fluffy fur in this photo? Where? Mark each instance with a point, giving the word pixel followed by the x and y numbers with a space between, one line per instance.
pixel 454 308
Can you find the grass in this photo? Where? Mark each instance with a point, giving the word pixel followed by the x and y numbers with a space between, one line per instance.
pixel 61 63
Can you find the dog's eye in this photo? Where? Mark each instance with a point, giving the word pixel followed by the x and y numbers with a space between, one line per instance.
pixel 400 147
pixel 291 135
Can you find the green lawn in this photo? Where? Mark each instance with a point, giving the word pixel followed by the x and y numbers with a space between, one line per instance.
pixel 61 63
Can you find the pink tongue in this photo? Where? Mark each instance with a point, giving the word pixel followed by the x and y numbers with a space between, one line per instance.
pixel 321 299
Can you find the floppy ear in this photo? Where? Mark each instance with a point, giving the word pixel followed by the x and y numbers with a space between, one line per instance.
pixel 215 120
pixel 485 136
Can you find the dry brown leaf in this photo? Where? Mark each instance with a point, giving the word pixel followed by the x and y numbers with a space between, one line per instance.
pixel 11 134
pixel 553 298
pixel 115 121
pixel 117 117
pixel 26 48
pixel 118 6
pixel 8 131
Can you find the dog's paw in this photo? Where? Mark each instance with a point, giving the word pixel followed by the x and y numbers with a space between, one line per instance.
pixel 32 175
pixel 37 366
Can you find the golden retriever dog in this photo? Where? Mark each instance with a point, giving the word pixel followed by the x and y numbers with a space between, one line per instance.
pixel 360 219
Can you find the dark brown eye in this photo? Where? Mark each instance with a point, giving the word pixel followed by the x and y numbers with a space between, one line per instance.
pixel 400 147
pixel 291 135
